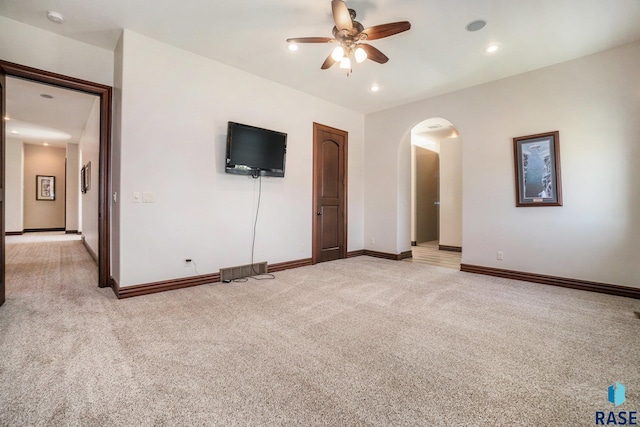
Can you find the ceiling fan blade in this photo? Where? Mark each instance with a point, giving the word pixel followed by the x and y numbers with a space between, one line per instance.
pixel 341 15
pixel 385 30
pixel 310 40
pixel 374 54
pixel 328 62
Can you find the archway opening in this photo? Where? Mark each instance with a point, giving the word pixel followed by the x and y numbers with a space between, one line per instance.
pixel 436 185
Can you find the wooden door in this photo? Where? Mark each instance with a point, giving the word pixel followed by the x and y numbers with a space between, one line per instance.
pixel 2 142
pixel 329 194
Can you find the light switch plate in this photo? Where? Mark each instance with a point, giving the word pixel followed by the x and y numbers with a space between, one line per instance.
pixel 148 197
pixel 137 198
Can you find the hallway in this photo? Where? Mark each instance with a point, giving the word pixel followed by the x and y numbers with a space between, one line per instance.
pixel 40 264
pixel 428 253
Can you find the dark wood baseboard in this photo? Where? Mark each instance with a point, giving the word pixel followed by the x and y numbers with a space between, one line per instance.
pixel 114 285
pixel 383 255
pixel 583 285
pixel 169 285
pixel 392 257
pixel 33 230
pixel 91 252
pixel 186 282
pixel 353 254
pixel 165 285
pixel 281 266
pixel 450 248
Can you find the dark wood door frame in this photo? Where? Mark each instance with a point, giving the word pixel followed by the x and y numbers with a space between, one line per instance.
pixel 104 191
pixel 2 192
pixel 315 252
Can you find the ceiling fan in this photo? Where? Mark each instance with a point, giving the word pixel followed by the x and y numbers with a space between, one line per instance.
pixel 350 34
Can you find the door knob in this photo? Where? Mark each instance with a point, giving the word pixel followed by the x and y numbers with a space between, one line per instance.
pixel 318 213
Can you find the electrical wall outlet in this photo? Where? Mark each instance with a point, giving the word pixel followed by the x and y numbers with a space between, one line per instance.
pixel 500 256
pixel 373 241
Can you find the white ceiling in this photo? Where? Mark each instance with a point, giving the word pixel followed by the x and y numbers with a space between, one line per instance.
pixel 436 56
pixel 34 119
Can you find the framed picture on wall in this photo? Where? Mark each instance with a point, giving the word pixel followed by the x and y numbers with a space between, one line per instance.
pixel 45 187
pixel 83 172
pixel 87 177
pixel 537 169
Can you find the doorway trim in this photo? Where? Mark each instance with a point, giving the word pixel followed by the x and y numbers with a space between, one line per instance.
pixel 105 93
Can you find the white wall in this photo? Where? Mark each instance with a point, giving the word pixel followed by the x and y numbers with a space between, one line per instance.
pixel 174 111
pixel 116 171
pixel 89 147
pixel 451 192
pixel 595 103
pixel 14 185
pixel 28 45
pixel 72 209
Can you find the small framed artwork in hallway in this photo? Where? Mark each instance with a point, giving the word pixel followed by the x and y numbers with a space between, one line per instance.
pixel 45 187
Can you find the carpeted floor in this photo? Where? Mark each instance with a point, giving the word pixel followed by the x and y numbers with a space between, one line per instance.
pixel 355 342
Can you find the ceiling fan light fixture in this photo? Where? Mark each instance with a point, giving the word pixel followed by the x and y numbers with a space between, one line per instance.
pixel 361 55
pixel 338 53
pixel 345 63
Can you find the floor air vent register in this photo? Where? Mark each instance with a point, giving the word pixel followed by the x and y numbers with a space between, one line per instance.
pixel 233 273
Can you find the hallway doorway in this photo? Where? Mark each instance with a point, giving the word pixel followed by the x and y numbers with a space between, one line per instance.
pixel 102 167
pixel 436 186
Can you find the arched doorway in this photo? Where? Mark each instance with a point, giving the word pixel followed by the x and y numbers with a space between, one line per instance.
pixel 436 185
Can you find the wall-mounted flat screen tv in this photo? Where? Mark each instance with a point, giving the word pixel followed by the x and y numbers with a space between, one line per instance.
pixel 255 151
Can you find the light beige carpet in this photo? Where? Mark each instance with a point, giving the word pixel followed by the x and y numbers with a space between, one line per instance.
pixel 361 341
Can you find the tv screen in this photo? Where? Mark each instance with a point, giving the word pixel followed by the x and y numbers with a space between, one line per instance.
pixel 255 151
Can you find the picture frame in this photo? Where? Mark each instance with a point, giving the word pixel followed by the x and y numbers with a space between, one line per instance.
pixel 45 187
pixel 83 172
pixel 537 170
pixel 87 177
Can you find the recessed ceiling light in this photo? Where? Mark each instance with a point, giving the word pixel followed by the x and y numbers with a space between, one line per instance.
pixel 492 48
pixel 55 17
pixel 375 87
pixel 476 25
pixel 15 132
pixel 45 144
pixel 292 47
pixel 7 118
pixel 46 95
